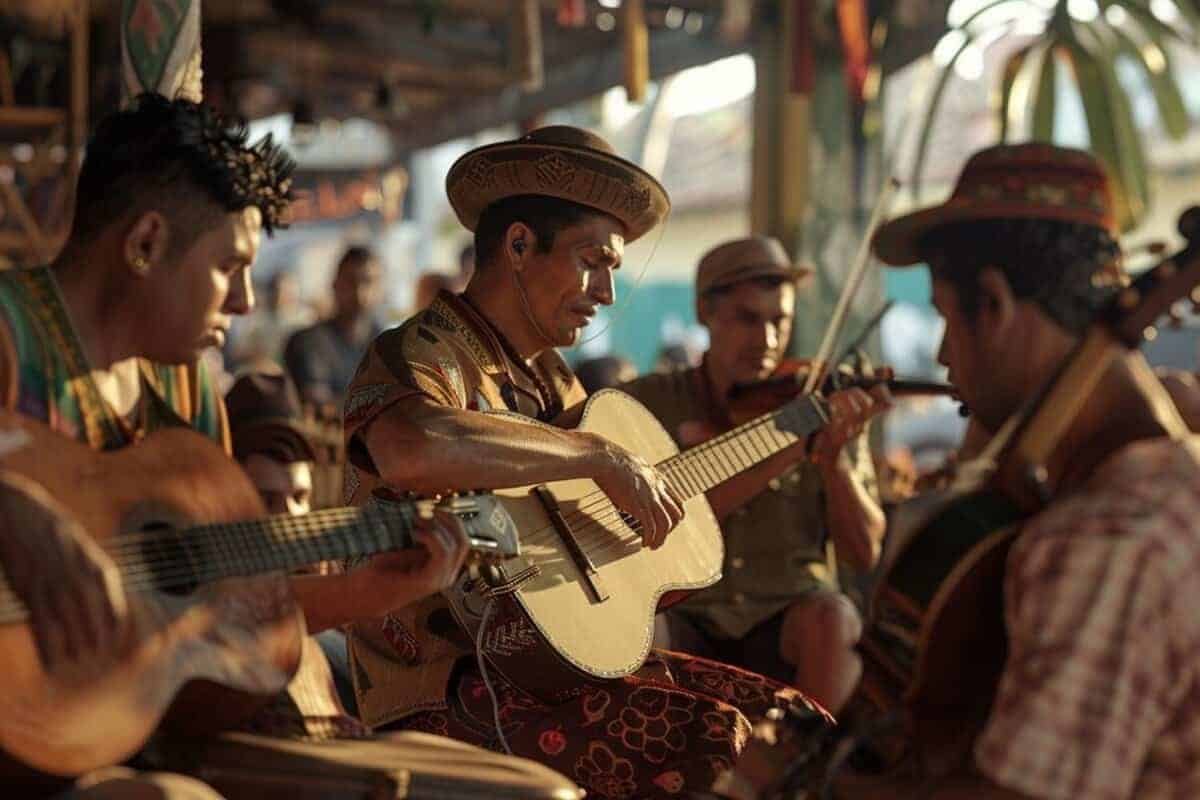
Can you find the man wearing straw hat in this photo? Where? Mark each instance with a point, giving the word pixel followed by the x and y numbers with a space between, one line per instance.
pixel 778 610
pixel 551 213
pixel 1099 697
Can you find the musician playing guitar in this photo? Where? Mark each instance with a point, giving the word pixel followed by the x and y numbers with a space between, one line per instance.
pixel 551 213
pixel 103 344
pixel 787 522
pixel 1099 696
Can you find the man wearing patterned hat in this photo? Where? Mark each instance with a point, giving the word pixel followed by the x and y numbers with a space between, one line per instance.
pixel 1099 696
pixel 778 608
pixel 551 213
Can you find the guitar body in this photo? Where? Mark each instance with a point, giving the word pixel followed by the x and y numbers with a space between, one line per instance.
pixel 241 633
pixel 594 638
pixel 936 644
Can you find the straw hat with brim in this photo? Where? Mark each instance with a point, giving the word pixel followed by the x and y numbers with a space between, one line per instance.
pixel 558 161
pixel 746 259
pixel 1025 181
pixel 265 417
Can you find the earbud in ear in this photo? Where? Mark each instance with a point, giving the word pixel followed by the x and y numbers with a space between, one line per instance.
pixel 518 246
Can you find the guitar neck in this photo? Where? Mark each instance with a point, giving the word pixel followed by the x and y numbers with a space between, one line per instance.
pixel 285 542
pixel 697 470
pixel 182 558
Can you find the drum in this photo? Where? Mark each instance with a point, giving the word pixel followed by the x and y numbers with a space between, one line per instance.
pixel 414 766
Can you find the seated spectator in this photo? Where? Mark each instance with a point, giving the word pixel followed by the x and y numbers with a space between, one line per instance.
pixel 322 359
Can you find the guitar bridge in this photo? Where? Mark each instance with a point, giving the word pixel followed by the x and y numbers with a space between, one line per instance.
pixel 591 576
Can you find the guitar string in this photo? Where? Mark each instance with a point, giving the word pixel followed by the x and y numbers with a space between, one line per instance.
pixel 307 525
pixel 238 553
pixel 203 536
pixel 319 532
pixel 605 539
pixel 694 469
pixel 690 459
pixel 680 460
pixel 689 462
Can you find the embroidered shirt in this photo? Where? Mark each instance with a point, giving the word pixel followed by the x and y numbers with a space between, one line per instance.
pixel 451 356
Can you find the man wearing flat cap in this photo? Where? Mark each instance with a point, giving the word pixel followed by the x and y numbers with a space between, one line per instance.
pixel 1099 695
pixel 551 213
pixel 778 609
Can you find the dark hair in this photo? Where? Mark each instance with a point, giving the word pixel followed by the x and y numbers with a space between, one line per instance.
pixel 355 254
pixel 546 216
pixel 137 159
pixel 278 443
pixel 1057 265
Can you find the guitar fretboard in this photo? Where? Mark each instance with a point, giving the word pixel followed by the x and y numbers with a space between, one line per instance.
pixel 695 471
pixel 180 559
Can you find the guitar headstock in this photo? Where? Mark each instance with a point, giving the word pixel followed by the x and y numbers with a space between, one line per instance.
pixel 1161 291
pixel 492 532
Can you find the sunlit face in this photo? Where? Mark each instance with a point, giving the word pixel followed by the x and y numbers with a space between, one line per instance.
pixel 749 327
pixel 191 300
pixel 358 287
pixel 284 488
pixel 566 285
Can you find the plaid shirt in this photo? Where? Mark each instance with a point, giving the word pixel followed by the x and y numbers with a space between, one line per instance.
pixel 1099 698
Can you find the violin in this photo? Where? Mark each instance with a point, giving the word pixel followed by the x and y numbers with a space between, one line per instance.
pixel 749 400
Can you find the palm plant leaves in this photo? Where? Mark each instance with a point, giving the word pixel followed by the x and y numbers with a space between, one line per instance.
pixel 1029 85
pixel 1045 93
pixel 1012 70
pixel 1155 62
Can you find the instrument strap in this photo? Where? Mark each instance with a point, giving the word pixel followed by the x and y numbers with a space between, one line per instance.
pixel 103 427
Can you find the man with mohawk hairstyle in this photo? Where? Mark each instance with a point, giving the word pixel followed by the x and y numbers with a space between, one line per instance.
pixel 104 344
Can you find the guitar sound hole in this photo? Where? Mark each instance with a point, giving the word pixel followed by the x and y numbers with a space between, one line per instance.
pixel 167 560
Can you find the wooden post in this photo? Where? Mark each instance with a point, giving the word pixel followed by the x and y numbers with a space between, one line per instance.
pixel 525 44
pixel 31 238
pixel 779 188
pixel 636 39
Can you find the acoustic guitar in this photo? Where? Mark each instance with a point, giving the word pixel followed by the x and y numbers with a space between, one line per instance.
pixel 584 584
pixel 203 568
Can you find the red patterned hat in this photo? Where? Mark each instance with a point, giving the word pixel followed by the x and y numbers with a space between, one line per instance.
pixel 1023 181
pixel 557 161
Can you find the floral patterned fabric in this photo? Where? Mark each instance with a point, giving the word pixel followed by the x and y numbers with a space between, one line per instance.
pixel 665 732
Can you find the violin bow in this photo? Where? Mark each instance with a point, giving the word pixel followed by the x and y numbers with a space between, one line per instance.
pixel 871 325
pixel 850 288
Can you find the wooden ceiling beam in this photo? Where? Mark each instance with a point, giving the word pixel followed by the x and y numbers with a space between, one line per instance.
pixel 589 74
pixel 319 59
pixel 312 56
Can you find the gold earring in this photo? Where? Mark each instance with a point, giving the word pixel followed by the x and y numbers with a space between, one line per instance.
pixel 141 265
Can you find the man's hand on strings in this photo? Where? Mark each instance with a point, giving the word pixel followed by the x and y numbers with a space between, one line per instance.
pixel 849 412
pixel 640 492
pixel 68 584
pixel 402 577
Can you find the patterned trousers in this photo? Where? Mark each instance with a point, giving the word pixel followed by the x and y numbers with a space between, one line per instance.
pixel 665 732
